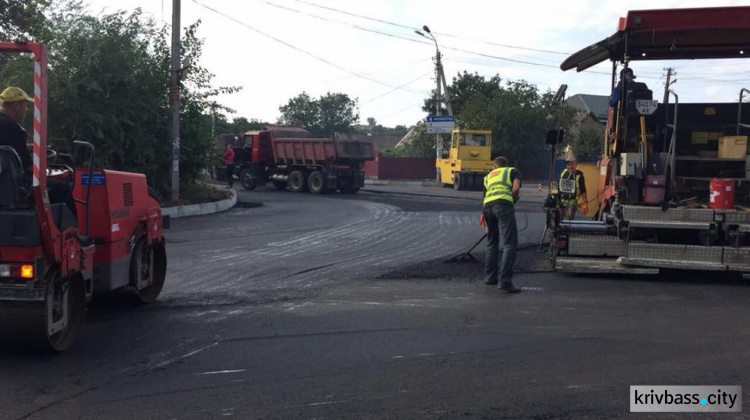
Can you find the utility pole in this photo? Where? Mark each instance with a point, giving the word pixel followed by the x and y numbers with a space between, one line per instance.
pixel 440 82
pixel 174 96
pixel 439 141
pixel 665 102
pixel 666 85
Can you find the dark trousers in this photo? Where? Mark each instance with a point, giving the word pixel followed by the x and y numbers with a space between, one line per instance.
pixel 501 224
pixel 230 174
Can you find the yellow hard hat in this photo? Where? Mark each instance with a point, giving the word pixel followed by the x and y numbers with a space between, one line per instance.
pixel 14 94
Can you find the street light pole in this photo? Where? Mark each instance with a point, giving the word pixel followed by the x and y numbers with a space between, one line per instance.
pixel 174 96
pixel 440 83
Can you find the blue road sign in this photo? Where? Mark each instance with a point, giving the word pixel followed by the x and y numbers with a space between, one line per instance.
pixel 441 118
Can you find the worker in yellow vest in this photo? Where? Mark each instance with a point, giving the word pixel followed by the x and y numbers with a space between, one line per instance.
pixel 572 186
pixel 502 188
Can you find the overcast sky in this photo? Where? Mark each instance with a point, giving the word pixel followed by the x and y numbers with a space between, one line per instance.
pixel 357 48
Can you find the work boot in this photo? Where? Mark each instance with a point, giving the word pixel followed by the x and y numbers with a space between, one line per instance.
pixel 491 282
pixel 509 287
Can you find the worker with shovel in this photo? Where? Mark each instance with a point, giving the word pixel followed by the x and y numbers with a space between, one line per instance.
pixel 502 189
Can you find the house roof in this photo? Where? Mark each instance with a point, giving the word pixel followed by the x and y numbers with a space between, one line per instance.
pixel 595 105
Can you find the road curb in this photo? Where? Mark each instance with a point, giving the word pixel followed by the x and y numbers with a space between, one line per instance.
pixel 386 182
pixel 201 209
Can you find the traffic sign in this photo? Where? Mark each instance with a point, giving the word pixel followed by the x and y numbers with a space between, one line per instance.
pixel 440 123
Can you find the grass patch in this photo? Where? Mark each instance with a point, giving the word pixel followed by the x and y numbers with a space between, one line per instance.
pixel 196 193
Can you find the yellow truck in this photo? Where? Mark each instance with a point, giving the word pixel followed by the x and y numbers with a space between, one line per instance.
pixel 468 161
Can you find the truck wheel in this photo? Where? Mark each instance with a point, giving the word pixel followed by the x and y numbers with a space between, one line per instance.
pixel 458 181
pixel 246 179
pixel 347 186
pixel 281 186
pixel 468 181
pixel 316 183
pixel 297 181
pixel 478 182
pixel 148 269
pixel 348 189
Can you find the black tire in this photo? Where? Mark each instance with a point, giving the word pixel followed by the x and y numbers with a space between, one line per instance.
pixel 247 180
pixel 316 183
pixel 41 326
pixel 478 182
pixel 347 186
pixel 148 261
pixel 349 190
pixel 469 181
pixel 297 181
pixel 76 296
pixel 281 186
pixel 457 181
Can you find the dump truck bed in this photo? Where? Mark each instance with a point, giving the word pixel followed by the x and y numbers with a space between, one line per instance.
pixel 320 151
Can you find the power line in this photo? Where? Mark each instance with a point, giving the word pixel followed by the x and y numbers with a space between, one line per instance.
pixel 323 60
pixel 411 28
pixel 395 89
pixel 386 70
pixel 418 41
pixel 396 112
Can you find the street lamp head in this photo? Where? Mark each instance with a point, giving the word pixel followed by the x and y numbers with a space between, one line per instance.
pixel 419 33
pixel 426 29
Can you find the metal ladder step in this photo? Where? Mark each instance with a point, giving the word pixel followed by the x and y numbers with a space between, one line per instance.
pixel 596 246
pixel 598 266
pixel 681 214
pixel 671 252
pixel 669 224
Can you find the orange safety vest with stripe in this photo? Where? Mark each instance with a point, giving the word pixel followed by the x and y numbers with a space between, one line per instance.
pixel 498 186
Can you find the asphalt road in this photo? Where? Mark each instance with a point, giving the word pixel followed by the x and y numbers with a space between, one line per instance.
pixel 298 306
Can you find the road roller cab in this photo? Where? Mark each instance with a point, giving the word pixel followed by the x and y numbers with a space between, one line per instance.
pixel 67 233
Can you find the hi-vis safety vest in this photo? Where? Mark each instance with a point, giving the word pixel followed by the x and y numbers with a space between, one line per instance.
pixel 498 186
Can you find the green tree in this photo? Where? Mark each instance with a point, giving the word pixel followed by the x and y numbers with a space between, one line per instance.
pixel 337 113
pixel 242 124
pixel 464 86
pixel 22 20
pixel 417 144
pixel 108 83
pixel 238 124
pixel 329 114
pixel 587 140
pixel 302 111
pixel 516 111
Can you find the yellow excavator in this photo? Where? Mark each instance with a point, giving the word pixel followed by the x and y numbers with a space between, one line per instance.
pixel 468 161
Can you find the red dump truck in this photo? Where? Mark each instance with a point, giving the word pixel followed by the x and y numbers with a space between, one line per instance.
pixel 291 157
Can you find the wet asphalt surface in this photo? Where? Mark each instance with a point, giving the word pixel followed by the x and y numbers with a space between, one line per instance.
pixel 298 306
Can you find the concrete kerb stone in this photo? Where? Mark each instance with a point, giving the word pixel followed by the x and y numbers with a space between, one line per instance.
pixel 200 209
pixel 402 183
